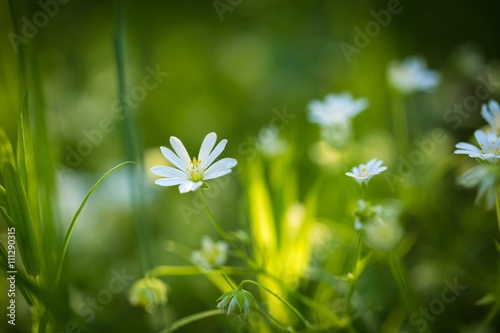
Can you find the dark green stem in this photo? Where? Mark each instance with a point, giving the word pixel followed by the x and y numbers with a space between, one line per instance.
pixel 225 236
pixel 353 274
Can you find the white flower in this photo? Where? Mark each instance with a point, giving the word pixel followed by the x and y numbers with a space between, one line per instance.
pixel 270 143
pixel 211 255
pixel 383 234
pixel 411 75
pixel 485 177
pixel 383 231
pixel 491 113
pixel 363 173
pixel 336 109
pixel 489 145
pixel 191 174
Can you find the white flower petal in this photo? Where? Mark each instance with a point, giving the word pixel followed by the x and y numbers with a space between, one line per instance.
pixel 487 116
pixel 494 106
pixel 466 146
pixel 166 171
pixel 480 137
pixel 187 186
pixel 214 154
pixel 225 163
pixel 172 158
pixel 217 174
pixel 169 181
pixel 207 146
pixel 371 163
pixel 180 150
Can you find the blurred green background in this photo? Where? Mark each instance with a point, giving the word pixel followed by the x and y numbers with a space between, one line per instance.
pixel 227 72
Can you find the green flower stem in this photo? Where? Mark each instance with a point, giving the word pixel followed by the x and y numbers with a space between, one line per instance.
pixel 498 207
pixel 215 224
pixel 354 277
pixel 272 319
pixel 191 270
pixel 286 303
pixel 190 319
pixel 400 122
pixel 225 236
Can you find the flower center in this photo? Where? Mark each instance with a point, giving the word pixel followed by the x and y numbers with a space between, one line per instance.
pixel 196 172
pixel 490 149
pixel 363 173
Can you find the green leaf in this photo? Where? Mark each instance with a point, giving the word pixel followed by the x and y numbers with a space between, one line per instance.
pixel 21 218
pixel 64 247
pixel 205 186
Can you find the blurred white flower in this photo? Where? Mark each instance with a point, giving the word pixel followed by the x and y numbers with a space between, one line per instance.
pixel 270 143
pixel 191 174
pixel 335 109
pixel 411 75
pixel 211 255
pixel 364 172
pixel 383 234
pixel 334 115
pixel 489 147
pixel 381 224
pixel 485 177
pixel 491 113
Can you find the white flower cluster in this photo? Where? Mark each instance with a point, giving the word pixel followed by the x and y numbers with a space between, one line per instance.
pixel 486 175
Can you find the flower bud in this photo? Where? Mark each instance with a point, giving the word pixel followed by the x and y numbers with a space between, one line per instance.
pixel 236 297
pixel 148 293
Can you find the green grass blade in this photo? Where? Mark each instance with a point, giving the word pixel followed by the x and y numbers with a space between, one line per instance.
pixel 133 147
pixel 21 280
pixel 4 206
pixel 64 247
pixel 27 168
pixel 6 153
pixel 262 222
pixel 190 319
pixel 21 218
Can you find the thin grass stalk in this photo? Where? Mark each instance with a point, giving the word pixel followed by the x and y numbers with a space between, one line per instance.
pixel 132 144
